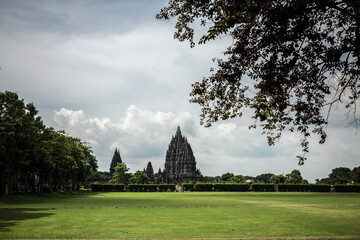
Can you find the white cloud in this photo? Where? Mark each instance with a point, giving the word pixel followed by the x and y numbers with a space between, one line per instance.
pixel 140 134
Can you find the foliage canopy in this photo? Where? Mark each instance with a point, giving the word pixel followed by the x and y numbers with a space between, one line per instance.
pixel 290 61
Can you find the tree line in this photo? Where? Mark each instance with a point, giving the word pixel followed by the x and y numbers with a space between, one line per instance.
pixel 34 157
pixel 340 175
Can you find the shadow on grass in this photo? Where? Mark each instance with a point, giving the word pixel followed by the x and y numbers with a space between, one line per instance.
pixel 34 198
pixel 10 217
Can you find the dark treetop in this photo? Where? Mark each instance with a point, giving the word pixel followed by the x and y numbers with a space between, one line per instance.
pixel 289 61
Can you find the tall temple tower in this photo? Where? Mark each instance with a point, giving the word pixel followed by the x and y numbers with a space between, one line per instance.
pixel 115 160
pixel 180 164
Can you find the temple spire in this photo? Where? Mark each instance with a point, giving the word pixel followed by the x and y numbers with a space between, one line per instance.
pixel 116 159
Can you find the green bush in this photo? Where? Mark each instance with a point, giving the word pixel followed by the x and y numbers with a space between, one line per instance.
pixel 231 187
pixel 150 187
pixel 108 187
pixel 135 187
pixel 263 187
pixel 166 187
pixel 96 187
pixel 319 187
pixel 118 187
pixel 187 186
pixel 204 187
pixel 289 187
pixel 347 188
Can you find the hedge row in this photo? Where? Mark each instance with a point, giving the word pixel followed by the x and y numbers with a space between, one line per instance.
pixel 95 187
pixel 132 187
pixel 225 187
pixel 347 188
pixel 304 187
pixel 263 187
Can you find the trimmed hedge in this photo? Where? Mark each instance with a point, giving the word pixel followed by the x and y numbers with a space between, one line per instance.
pixel 319 187
pixel 150 187
pixel 290 188
pixel 135 187
pixel 225 187
pixel 166 187
pixel 204 187
pixel 263 187
pixel 97 187
pixel 304 187
pixel 231 187
pixel 347 188
pixel 187 186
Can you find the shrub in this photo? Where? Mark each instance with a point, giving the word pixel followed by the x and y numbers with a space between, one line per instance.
pixel 166 187
pixel 187 186
pixel 118 187
pixel 231 187
pixel 204 187
pixel 319 187
pixel 96 187
pixel 289 187
pixel 108 187
pixel 135 187
pixel 150 187
pixel 347 188
pixel 263 187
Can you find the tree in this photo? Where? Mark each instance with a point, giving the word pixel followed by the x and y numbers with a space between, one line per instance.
pixel 355 174
pixel 121 174
pixel 289 61
pixel 322 181
pixel 226 176
pixel 294 177
pixel 20 145
pixel 263 178
pixel 140 177
pixel 236 179
pixel 277 179
pixel 340 175
pixel 32 154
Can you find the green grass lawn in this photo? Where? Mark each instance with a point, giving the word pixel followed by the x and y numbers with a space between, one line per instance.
pixel 181 215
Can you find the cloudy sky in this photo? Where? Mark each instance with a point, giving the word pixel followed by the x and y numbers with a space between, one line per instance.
pixel 111 74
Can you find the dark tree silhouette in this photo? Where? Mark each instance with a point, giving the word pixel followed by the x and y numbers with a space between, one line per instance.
pixel 290 61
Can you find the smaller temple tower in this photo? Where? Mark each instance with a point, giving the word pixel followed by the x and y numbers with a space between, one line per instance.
pixel 150 172
pixel 115 160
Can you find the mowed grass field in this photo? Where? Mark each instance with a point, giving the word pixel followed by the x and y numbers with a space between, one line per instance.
pixel 181 215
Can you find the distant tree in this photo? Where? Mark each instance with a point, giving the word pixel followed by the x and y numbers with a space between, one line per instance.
pixel 294 177
pixel 289 61
pixel 226 176
pixel 140 177
pixel 211 179
pixel 263 178
pixel 236 179
pixel 322 181
pixel 121 174
pixel 277 179
pixel 355 174
pixel 304 181
pixel 249 177
pixel 115 160
pixel 340 175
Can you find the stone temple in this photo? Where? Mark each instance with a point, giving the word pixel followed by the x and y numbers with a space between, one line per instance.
pixel 180 164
